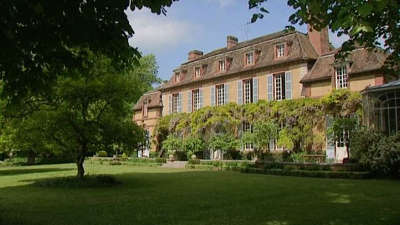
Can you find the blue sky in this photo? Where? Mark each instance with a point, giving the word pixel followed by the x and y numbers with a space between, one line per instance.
pixel 203 25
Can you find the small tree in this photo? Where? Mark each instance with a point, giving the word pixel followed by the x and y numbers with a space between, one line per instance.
pixel 172 144
pixel 192 145
pixel 261 136
pixel 223 143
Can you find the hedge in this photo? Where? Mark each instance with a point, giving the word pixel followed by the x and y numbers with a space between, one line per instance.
pixel 310 173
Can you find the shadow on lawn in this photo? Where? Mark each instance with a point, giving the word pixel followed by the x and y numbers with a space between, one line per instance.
pixel 210 197
pixel 33 170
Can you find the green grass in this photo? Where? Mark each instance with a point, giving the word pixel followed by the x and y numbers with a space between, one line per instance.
pixel 157 196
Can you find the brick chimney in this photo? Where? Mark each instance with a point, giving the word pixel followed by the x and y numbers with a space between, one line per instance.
pixel 194 54
pixel 319 39
pixel 231 41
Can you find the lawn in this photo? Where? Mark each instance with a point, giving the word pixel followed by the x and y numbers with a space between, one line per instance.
pixel 157 196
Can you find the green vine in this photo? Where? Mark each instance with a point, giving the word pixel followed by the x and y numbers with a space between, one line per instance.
pixel 300 121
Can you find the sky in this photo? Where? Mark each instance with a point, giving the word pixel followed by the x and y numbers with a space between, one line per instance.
pixel 203 25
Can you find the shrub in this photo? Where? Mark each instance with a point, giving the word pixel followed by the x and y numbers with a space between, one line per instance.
pixel 115 163
pixel 194 161
pixel 377 152
pixel 102 154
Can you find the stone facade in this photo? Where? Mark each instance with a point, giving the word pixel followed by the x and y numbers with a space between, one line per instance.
pixel 282 65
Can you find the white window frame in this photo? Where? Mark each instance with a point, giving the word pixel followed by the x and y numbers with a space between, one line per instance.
pixel 279 86
pixel 220 94
pixel 175 102
pixel 196 99
pixel 250 58
pixel 222 66
pixel 280 50
pixel 246 128
pixel 247 91
pixel 341 77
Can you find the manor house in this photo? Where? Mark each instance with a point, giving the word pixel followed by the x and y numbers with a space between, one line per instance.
pixel 274 67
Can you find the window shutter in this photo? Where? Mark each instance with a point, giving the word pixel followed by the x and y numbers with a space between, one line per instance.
pixel 255 90
pixel 226 93
pixel 270 96
pixel 240 92
pixel 170 104
pixel 189 106
pixel 330 143
pixel 180 102
pixel 201 97
pixel 288 85
pixel 212 94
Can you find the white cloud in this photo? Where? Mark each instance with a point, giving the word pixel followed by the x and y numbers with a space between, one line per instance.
pixel 158 33
pixel 223 3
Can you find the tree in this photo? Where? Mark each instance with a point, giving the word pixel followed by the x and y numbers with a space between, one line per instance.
pixel 263 133
pixel 42 40
pixel 223 143
pixel 92 111
pixel 172 144
pixel 193 145
pixel 366 22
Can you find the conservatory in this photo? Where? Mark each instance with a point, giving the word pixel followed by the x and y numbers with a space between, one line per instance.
pixel 381 107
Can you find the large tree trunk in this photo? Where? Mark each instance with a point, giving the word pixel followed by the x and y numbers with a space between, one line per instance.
pixel 31 157
pixel 79 161
pixel 79 164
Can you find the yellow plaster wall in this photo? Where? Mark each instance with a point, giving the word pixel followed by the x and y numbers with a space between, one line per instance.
pixel 321 88
pixel 359 83
pixel 298 71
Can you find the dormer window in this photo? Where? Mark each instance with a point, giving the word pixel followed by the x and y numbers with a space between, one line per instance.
pixel 222 67
pixel 197 72
pixel 177 77
pixel 341 77
pixel 280 50
pixel 145 109
pixel 250 58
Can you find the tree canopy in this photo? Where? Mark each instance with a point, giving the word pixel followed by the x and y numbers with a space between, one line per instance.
pixel 367 23
pixel 90 111
pixel 41 40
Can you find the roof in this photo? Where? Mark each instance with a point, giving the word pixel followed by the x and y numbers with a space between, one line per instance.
pixel 388 86
pixel 299 48
pixel 360 60
pixel 153 99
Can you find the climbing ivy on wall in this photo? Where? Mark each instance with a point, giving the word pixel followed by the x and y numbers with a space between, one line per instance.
pixel 300 121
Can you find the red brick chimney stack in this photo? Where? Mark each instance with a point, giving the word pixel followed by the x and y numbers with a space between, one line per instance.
pixel 194 54
pixel 231 41
pixel 319 39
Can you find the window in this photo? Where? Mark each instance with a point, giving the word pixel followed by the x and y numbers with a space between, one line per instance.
pixel 221 66
pixel 220 89
pixel 175 102
pixel 145 109
pixel 247 128
pixel 248 91
pixel 341 142
pixel 196 99
pixel 197 72
pixel 177 77
pixel 279 86
pixel 280 50
pixel 341 77
pixel 250 58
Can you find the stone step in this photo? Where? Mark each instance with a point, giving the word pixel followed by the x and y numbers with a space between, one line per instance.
pixel 174 164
